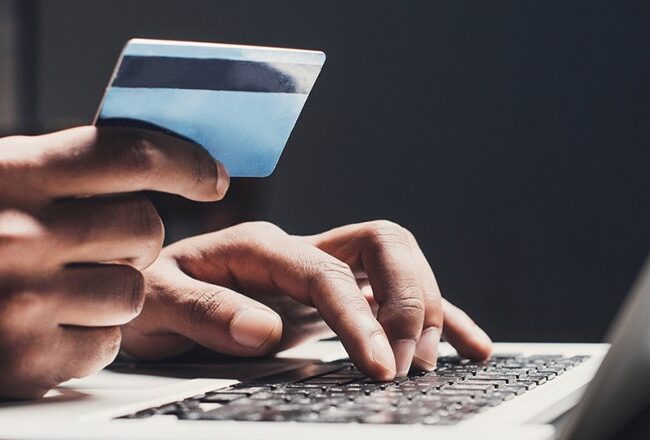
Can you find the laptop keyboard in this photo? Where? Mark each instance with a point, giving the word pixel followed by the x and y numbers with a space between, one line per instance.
pixel 337 392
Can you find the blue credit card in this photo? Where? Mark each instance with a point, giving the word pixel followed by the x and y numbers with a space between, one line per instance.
pixel 239 102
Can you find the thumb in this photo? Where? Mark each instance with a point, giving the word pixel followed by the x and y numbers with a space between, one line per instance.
pixel 215 317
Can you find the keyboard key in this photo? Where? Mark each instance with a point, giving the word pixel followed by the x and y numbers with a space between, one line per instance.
pixel 484 382
pixel 495 377
pixel 549 374
pixel 468 386
pixel 222 397
pixel 527 384
pixel 538 378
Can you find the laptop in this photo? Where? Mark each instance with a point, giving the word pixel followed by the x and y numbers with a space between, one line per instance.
pixel 524 390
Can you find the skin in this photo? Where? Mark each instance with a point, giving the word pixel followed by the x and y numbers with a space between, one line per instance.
pixel 76 254
pixel 73 244
pixel 252 289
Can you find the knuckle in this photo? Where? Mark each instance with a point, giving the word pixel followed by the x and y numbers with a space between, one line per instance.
pixel 384 232
pixel 205 307
pixel 356 307
pixel 11 164
pixel 17 223
pixel 18 306
pixel 409 235
pixel 254 236
pixel 18 229
pixel 262 228
pixel 141 155
pixel 407 304
pixel 409 297
pixel 385 226
pixel 328 270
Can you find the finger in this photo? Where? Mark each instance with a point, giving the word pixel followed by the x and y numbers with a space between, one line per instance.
pixel 125 229
pixel 84 350
pixel 216 317
pixel 22 234
pixel 426 350
pixel 467 338
pixel 42 361
pixel 97 296
pixel 264 256
pixel 37 353
pixel 94 160
pixel 383 251
pixel 100 295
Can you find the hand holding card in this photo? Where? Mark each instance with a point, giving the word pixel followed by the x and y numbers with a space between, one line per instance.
pixel 239 102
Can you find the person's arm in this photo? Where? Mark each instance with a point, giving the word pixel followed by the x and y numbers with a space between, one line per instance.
pixel 252 289
pixel 72 245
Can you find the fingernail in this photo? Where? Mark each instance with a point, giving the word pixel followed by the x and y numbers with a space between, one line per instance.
pixel 427 348
pixel 403 349
pixel 382 354
pixel 223 180
pixel 252 327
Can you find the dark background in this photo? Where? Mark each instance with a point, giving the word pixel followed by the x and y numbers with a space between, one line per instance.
pixel 512 138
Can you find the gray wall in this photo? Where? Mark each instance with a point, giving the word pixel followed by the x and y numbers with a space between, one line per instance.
pixel 511 137
pixel 8 108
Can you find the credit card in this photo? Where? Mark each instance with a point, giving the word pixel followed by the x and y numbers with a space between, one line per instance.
pixel 239 102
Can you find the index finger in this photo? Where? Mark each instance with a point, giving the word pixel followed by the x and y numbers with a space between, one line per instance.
pixel 107 160
pixel 383 251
